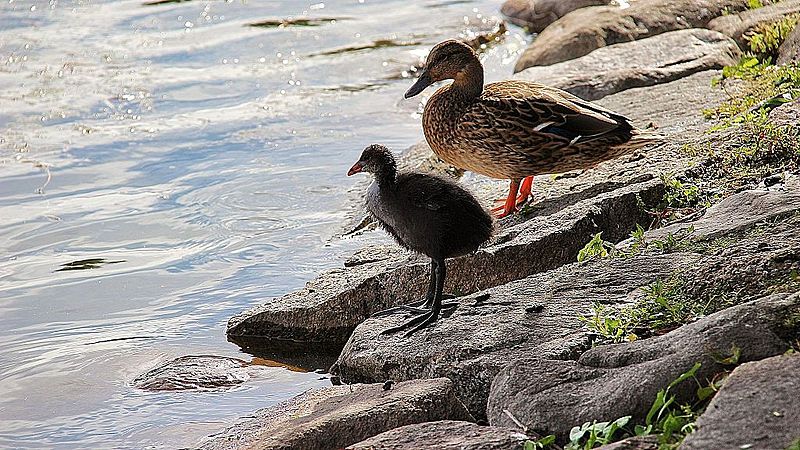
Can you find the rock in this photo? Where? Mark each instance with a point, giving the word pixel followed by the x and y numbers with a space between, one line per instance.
pixel 568 211
pixel 537 315
pixel 328 308
pixel 789 51
pixel 195 372
pixel 741 26
pixel 535 15
pixel 735 214
pixel 633 443
pixel 757 408
pixel 584 30
pixel 338 416
pixel 674 108
pixel 374 253
pixel 445 435
pixel 611 381
pixel 787 114
pixel 654 60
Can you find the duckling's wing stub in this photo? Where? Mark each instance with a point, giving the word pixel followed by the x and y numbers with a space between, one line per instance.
pixel 424 192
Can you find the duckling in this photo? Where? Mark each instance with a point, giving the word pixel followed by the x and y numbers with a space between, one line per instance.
pixel 514 129
pixel 426 214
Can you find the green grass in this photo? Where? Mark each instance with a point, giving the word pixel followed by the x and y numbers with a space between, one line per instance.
pixel 744 156
pixel 596 248
pixel 662 306
pixel 762 88
pixel 768 37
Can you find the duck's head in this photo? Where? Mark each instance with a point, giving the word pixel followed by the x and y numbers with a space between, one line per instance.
pixel 375 159
pixel 446 61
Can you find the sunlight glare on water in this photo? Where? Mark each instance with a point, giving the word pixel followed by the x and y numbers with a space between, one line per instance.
pixel 165 166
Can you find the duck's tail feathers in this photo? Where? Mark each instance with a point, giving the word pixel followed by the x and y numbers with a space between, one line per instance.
pixel 641 138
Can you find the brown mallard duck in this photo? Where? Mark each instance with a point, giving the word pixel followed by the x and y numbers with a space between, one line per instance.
pixel 514 129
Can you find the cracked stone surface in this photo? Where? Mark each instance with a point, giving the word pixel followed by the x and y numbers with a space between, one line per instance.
pixel 338 416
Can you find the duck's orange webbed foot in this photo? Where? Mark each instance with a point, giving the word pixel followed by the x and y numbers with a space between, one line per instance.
pixel 525 190
pixel 510 205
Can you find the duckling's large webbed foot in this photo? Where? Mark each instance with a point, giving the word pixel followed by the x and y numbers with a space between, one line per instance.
pixel 419 307
pixel 418 323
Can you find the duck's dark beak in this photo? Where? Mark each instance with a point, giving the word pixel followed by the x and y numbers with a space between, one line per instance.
pixel 423 81
pixel 357 167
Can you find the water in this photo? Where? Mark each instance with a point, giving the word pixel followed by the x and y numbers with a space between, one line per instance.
pixel 164 167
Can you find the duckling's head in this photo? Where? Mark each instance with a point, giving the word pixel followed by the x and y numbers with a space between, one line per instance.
pixel 445 62
pixel 375 159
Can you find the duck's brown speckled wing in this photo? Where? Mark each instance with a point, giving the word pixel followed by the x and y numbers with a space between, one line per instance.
pixel 529 118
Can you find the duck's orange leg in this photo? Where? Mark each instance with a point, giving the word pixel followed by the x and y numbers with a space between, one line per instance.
pixel 511 201
pixel 525 190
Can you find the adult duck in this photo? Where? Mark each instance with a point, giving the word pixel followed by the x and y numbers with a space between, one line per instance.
pixel 514 129
pixel 426 214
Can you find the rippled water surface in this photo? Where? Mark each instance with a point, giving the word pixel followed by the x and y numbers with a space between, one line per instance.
pixel 164 166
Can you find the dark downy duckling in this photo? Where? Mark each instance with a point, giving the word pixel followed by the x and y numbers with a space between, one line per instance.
pixel 514 129
pixel 426 214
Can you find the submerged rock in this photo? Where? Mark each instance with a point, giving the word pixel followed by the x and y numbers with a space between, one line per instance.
pixel 757 408
pixel 194 372
pixel 445 435
pixel 536 15
pixel 584 30
pixel 654 60
pixel 338 416
pixel 611 381
pixel 742 25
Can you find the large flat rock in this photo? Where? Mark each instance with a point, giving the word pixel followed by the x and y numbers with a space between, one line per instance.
pixel 587 29
pixel 568 211
pixel 674 108
pixel 535 15
pixel 338 416
pixel 611 381
pixel 741 25
pixel 757 408
pixel 445 435
pixel 654 60
pixel 329 307
pixel 537 315
pixel 735 214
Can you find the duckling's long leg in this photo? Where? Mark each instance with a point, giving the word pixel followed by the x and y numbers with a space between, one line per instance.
pixel 511 201
pixel 422 306
pixel 419 307
pixel 423 320
pixel 525 190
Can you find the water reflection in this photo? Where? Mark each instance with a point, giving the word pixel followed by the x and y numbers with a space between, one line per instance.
pixel 304 22
pixel 83 264
pixel 195 164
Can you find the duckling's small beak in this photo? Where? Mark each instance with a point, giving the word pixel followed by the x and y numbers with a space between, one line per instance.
pixel 423 81
pixel 357 167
